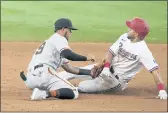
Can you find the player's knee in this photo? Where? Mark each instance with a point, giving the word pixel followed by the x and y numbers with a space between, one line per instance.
pixel 84 87
pixel 67 93
pixel 80 87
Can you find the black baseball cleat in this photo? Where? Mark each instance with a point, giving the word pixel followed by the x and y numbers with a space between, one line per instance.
pixel 22 75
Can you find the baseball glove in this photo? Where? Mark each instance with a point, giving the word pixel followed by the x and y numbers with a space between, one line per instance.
pixel 97 69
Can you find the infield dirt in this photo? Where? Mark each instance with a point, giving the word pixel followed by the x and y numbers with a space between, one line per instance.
pixel 139 96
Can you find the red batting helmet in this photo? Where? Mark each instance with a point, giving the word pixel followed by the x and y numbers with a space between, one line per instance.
pixel 139 26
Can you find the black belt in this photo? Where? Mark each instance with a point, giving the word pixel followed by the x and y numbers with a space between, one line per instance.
pixel 37 66
pixel 112 71
pixel 116 76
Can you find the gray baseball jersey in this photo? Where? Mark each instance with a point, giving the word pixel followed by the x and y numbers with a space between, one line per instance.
pixel 47 54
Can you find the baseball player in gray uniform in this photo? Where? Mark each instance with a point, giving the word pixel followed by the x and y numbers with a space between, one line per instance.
pixel 123 61
pixel 52 54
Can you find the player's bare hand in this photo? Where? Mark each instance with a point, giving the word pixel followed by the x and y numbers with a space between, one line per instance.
pixel 90 57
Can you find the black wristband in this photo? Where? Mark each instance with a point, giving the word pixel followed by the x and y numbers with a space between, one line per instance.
pixel 84 72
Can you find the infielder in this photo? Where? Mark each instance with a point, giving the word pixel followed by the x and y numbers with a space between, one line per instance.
pixel 52 54
pixel 123 61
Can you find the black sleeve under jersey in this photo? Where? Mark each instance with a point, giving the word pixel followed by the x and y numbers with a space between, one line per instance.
pixel 70 55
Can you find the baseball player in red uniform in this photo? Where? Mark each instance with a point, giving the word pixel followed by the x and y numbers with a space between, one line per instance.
pixel 123 61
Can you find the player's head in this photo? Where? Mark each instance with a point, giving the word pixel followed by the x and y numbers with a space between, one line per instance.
pixel 64 27
pixel 138 28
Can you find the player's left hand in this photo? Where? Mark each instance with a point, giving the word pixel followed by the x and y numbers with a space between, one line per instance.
pixel 97 69
pixel 90 57
pixel 106 71
pixel 162 94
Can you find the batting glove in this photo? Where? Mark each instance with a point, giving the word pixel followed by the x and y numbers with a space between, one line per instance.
pixel 162 94
pixel 106 71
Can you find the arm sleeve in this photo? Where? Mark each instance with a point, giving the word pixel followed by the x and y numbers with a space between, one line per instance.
pixel 70 55
pixel 147 59
pixel 75 70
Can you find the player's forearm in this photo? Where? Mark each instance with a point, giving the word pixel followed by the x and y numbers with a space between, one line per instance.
pixel 108 59
pixel 75 70
pixel 70 69
pixel 158 80
pixel 70 55
pixel 157 77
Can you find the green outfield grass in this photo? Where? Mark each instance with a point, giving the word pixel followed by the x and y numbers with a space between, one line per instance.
pixel 98 21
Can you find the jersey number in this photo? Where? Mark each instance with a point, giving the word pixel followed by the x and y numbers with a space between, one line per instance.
pixel 40 49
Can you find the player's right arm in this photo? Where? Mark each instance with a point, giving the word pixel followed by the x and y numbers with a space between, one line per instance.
pixel 66 52
pixel 111 53
pixel 108 58
pixel 70 55
pixel 75 70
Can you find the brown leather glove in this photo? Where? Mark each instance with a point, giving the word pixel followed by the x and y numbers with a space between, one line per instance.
pixel 97 69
